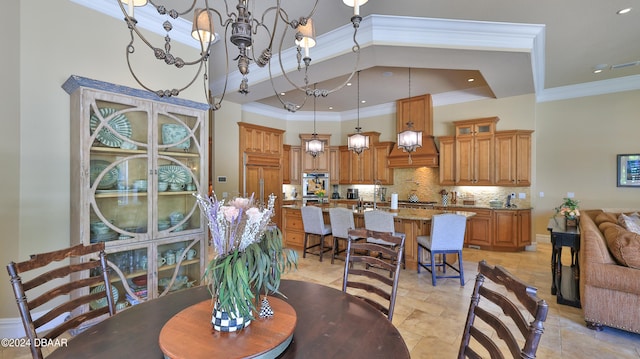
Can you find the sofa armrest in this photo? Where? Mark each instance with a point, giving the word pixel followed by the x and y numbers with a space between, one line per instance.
pixel 611 276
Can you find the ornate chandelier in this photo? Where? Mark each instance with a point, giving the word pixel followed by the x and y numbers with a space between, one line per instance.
pixel 358 142
pixel 240 28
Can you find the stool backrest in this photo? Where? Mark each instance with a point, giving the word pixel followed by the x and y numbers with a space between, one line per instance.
pixel 312 220
pixel 447 231
pixel 341 221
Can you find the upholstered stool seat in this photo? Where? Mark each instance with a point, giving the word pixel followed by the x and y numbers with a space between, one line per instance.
pixel 447 236
pixel 314 225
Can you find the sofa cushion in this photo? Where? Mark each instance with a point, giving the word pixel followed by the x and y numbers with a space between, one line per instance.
pixel 630 222
pixel 624 245
pixel 606 217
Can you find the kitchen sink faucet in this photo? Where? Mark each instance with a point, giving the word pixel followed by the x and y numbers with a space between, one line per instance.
pixel 376 189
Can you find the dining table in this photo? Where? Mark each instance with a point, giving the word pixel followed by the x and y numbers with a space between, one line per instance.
pixel 330 324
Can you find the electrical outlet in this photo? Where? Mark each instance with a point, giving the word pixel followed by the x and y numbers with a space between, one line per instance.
pixel 570 194
pixel 513 195
pixel 522 195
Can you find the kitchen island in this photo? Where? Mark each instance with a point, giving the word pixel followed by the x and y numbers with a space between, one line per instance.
pixel 410 221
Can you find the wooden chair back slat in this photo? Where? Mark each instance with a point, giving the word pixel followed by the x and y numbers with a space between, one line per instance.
pixel 366 270
pixel 521 343
pixel 76 274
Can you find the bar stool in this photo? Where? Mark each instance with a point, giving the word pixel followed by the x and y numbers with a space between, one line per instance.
pixel 314 225
pixel 382 221
pixel 447 236
pixel 341 222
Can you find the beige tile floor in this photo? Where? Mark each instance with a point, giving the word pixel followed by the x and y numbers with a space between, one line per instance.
pixel 431 319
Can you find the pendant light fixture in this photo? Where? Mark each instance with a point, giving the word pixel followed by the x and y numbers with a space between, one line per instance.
pixel 358 142
pixel 314 146
pixel 409 140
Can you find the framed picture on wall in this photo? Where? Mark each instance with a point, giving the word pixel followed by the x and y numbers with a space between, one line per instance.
pixel 628 170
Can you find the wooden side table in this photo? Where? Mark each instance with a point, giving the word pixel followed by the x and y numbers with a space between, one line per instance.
pixel 565 283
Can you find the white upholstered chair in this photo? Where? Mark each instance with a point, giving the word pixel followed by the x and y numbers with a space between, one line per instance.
pixel 314 225
pixel 447 236
pixel 341 222
pixel 382 221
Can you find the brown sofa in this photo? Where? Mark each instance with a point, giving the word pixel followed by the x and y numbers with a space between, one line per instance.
pixel 609 290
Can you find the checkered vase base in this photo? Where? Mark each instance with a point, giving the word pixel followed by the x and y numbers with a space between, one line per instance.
pixel 223 322
pixel 265 309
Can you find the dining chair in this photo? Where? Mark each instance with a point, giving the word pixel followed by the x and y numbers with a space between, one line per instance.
pixel 447 236
pixel 382 221
pixel 68 273
pixel 362 271
pixel 314 225
pixel 341 222
pixel 501 311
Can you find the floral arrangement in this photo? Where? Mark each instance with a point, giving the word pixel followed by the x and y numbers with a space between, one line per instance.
pixel 320 193
pixel 568 209
pixel 248 254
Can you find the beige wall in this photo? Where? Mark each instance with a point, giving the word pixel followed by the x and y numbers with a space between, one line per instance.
pixel 10 149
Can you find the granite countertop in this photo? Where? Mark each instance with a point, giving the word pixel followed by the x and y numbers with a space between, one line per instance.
pixel 402 213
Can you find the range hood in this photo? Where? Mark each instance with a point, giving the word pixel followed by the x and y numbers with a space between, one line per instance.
pixel 425 156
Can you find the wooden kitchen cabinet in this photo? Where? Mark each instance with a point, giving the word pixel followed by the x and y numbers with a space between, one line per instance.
pixel 475 151
pixel 410 229
pixel 286 164
pixel 447 160
pixel 295 162
pixel 381 170
pixel 319 163
pixel 344 177
pixel 479 229
pixel 260 168
pixel 418 110
pixel 334 165
pixel 362 167
pixel 512 229
pixel 513 158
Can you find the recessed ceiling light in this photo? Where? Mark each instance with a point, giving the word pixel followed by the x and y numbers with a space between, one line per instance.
pixel 599 67
pixel 282 94
pixel 348 83
pixel 330 107
pixel 363 101
pixel 623 11
pixel 471 80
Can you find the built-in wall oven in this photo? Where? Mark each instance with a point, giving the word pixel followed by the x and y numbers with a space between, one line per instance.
pixel 311 184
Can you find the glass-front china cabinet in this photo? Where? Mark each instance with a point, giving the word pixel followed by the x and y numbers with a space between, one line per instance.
pixel 136 161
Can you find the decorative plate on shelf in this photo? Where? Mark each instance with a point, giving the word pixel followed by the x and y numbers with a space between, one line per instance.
pixel 102 302
pixel 174 133
pixel 119 123
pixel 173 174
pixel 96 167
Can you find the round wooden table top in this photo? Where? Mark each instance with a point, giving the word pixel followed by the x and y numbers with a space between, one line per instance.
pixel 189 334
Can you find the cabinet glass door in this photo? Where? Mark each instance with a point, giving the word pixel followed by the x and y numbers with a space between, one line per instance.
pixel 179 265
pixel 130 276
pixel 119 171
pixel 179 171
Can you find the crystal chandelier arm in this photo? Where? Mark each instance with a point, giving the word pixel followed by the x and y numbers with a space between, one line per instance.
pixel 193 4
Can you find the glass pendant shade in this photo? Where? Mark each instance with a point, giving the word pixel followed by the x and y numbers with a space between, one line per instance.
pixel 358 142
pixel 136 3
pixel 314 147
pixel 409 140
pixel 202 29
pixel 308 33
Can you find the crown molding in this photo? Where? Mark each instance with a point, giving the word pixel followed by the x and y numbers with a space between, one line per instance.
pixel 594 88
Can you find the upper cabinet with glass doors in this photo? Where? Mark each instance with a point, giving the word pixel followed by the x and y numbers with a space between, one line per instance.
pixel 136 161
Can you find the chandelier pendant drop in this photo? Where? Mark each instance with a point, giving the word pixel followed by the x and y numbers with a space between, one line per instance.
pixel 409 140
pixel 314 146
pixel 358 142
pixel 240 28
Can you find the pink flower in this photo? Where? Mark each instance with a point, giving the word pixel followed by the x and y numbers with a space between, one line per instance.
pixel 240 202
pixel 254 215
pixel 230 213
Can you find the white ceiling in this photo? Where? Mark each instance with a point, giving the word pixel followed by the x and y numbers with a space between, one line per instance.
pixel 511 47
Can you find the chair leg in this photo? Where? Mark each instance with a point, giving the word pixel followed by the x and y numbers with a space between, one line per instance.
pixel 461 268
pixel 444 263
pixel 304 246
pixel 335 248
pixel 433 269
pixel 420 257
pixel 321 247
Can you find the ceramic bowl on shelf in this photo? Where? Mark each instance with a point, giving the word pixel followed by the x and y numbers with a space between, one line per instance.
pixel 162 186
pixel 140 185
